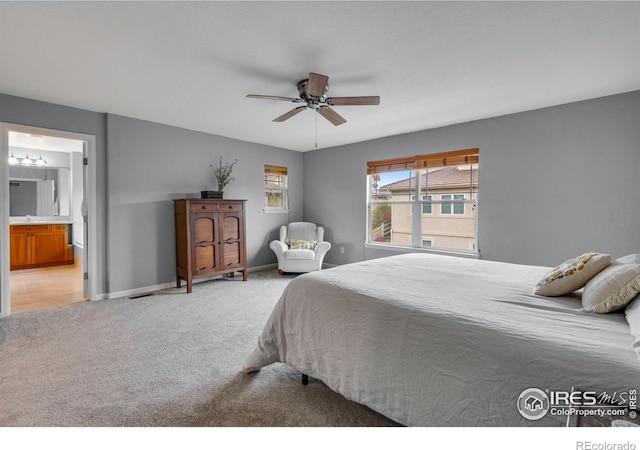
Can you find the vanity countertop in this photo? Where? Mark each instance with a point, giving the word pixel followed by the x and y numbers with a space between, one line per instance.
pixel 41 222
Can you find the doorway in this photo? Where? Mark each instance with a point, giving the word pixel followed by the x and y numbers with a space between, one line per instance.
pixel 65 164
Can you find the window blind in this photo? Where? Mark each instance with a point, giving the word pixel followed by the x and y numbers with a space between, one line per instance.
pixel 454 158
pixel 275 170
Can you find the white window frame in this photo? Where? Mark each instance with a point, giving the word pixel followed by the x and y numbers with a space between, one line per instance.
pixel 452 202
pixel 472 198
pixel 285 194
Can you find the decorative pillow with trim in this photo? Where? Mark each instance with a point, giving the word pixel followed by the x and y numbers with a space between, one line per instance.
pixel 572 274
pixel 613 288
pixel 302 244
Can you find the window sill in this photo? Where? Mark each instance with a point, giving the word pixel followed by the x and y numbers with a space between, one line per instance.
pixel 402 249
pixel 274 210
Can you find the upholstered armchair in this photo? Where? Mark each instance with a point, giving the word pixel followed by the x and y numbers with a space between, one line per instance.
pixel 301 247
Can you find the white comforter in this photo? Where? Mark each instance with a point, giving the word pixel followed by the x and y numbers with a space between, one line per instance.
pixel 442 341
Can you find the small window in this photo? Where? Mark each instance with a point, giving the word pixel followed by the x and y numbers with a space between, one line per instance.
pixel 426 208
pixel 275 188
pixel 452 208
pixel 426 243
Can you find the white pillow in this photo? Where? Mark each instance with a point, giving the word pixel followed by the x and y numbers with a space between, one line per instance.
pixel 633 318
pixel 612 289
pixel 629 259
pixel 572 274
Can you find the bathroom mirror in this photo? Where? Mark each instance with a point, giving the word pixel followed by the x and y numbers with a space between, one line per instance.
pixel 39 191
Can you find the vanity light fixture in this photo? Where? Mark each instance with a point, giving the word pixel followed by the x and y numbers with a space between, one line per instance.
pixel 27 161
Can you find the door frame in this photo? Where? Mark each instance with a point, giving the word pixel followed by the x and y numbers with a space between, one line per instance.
pixel 90 246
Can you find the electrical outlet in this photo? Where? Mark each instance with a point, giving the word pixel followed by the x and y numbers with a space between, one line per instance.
pixel 342 250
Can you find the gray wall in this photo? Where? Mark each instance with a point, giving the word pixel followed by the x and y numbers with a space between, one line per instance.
pixel 150 164
pixel 141 167
pixel 22 111
pixel 554 182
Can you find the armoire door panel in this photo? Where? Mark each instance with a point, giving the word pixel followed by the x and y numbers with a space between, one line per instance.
pixel 231 228
pixel 231 255
pixel 205 257
pixel 205 228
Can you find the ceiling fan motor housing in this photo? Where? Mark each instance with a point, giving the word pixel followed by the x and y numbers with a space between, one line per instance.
pixel 303 86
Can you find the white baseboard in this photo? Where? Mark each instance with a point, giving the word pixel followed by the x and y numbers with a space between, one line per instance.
pixel 159 287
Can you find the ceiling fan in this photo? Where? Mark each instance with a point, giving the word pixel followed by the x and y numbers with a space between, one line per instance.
pixel 313 92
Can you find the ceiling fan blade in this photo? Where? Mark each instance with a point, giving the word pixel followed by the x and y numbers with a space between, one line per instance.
pixel 317 84
pixel 290 114
pixel 275 97
pixel 331 115
pixel 340 101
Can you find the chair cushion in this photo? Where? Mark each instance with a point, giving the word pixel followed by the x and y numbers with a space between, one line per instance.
pixel 303 231
pixel 299 254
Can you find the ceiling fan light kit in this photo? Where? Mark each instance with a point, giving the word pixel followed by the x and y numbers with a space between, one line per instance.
pixel 313 92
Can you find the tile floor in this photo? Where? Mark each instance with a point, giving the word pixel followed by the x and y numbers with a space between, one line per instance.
pixel 33 289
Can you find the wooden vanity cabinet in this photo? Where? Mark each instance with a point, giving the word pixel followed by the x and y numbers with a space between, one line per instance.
pixel 210 238
pixel 40 245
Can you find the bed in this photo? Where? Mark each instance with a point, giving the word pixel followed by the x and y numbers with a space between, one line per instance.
pixel 429 340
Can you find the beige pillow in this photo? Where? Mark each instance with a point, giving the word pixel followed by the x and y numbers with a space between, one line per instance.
pixel 571 275
pixel 300 244
pixel 613 288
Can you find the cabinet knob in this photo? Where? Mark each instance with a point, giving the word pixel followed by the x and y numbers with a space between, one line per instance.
pixel 204 206
pixel 230 207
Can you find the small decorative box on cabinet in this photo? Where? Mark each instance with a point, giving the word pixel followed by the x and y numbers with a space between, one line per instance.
pixel 210 238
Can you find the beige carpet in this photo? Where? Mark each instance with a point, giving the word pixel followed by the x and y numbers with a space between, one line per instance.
pixel 171 359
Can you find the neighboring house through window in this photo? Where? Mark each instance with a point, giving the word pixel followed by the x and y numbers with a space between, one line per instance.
pixel 275 189
pixel 402 193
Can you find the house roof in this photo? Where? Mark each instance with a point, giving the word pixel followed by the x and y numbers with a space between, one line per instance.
pixel 191 64
pixel 447 177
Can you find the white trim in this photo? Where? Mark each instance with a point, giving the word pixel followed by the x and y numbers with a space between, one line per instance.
pixel 92 244
pixel 5 287
pixel 162 286
pixel 274 210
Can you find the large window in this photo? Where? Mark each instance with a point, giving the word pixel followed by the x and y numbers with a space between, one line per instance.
pixel 428 201
pixel 275 188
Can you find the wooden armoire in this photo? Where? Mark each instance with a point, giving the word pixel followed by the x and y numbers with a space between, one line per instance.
pixel 210 238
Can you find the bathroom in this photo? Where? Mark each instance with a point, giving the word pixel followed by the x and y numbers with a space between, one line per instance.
pixel 46 222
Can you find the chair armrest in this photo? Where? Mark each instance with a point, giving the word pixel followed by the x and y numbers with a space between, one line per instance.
pixel 321 249
pixel 278 247
pixel 283 233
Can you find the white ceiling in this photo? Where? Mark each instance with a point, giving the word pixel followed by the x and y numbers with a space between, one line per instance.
pixel 28 141
pixel 190 64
